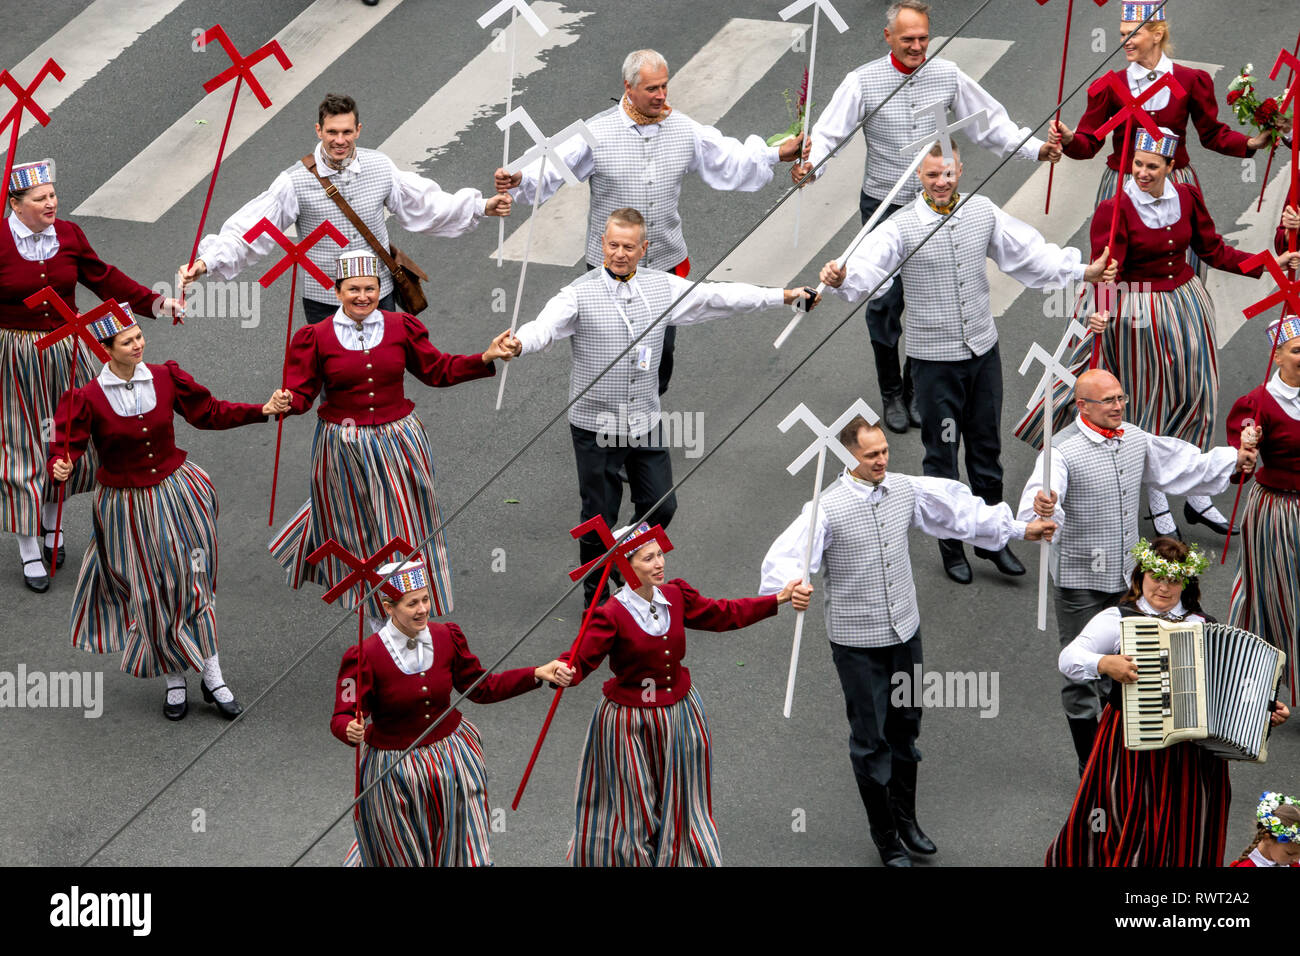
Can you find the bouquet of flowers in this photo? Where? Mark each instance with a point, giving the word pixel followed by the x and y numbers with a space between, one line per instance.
pixel 796 112
pixel 1264 115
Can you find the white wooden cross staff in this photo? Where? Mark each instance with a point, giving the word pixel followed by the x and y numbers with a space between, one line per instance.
pixel 543 149
pixel 1052 371
pixel 942 131
pixel 827 438
pixel 838 22
pixel 516 8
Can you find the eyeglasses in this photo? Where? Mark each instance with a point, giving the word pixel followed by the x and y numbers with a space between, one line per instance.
pixel 1114 400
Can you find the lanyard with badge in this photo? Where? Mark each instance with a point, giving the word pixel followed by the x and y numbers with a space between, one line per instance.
pixel 644 353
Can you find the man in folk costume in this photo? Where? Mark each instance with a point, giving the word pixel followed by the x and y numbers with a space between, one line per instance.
pixel 616 423
pixel 645 149
pixel 368 181
pixel 1099 464
pixel 871 88
pixel 952 341
pixel 872 620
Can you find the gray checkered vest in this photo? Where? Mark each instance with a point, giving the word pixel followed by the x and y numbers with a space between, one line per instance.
pixel 643 173
pixel 894 125
pixel 366 195
pixel 1101 509
pixel 949 317
pixel 624 401
pixel 867 574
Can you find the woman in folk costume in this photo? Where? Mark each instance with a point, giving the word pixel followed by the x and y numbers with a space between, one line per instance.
pixel 148 580
pixel 1266 589
pixel 1277 833
pixel 1157 807
pixel 644 793
pixel 1161 345
pixel 430 807
pixel 1147 50
pixel 371 465
pixel 37 250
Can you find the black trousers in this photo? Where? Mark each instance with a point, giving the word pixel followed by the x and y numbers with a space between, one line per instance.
pixel 319 311
pixel 962 402
pixel 880 733
pixel 885 314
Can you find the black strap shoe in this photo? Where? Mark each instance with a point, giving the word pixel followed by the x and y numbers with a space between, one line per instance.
pixel 955 564
pixel 49 551
pixel 1198 517
pixel 229 709
pixel 41 583
pixel 1003 560
pixel 177 711
pixel 1176 533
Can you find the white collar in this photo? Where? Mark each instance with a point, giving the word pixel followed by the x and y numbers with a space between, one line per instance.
pixel 613 285
pixel 21 230
pixel 635 602
pixel 1136 71
pixel 864 487
pixel 1095 436
pixel 109 380
pixel 325 169
pixel 1276 385
pixel 408 660
pixel 1259 859
pixel 1136 194
pixel 344 319
pixel 1145 607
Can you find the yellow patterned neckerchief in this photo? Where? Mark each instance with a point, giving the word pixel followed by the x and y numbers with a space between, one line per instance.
pixel 946 208
pixel 640 118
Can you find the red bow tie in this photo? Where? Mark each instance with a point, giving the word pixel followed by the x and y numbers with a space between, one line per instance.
pixel 1104 432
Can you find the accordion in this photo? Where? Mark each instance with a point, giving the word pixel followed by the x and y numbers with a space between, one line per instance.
pixel 1207 683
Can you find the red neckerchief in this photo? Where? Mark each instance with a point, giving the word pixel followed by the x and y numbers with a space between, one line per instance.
pixel 1104 432
pixel 905 70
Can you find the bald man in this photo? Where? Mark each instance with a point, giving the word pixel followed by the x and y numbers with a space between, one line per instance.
pixel 1099 464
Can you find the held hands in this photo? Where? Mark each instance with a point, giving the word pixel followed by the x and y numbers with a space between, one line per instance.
pixel 1118 667
pixel 797 593
pixel 1061 133
pixel 799 170
pixel 1248 453
pixel 1288 260
pixel 1097 321
pixel 555 673
pixel 1290 219
pixel 809 296
pixel 504 347
pixel 1101 269
pixel 1050 152
pixel 171 308
pixel 504 180
pixel 356 731
pixel 790 149
pixel 498 205
pixel 833 274
pixel 1044 506
pixel 279 402
pixel 1040 529
pixel 61 469
pixel 188 274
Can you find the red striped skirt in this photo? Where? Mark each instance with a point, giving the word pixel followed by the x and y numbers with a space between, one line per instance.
pixel 644 796
pixel 1145 807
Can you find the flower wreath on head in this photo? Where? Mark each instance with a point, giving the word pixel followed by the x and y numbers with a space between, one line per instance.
pixel 1180 571
pixel 1269 801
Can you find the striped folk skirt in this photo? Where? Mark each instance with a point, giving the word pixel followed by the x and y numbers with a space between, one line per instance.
pixel 147 581
pixel 643 795
pixel 1162 349
pixel 1145 807
pixel 1266 589
pixel 431 810
pixel 1106 189
pixel 369 484
pixel 31 384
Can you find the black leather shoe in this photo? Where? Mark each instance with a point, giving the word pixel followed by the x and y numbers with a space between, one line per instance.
pixel 229 709
pixel 49 552
pixel 1003 560
pixel 895 412
pixel 880 819
pixel 176 711
pixel 1198 517
pixel 954 561
pixel 1176 532
pixel 39 584
pixel 909 396
pixel 902 801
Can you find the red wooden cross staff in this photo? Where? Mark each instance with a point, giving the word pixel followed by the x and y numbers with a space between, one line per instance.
pixel 242 69
pixel 295 255
pixel 78 326
pixel 1130 112
pixel 364 572
pixel 1060 87
pixel 1288 294
pixel 1284 57
pixel 596 524
pixel 15 115
pixel 1268 167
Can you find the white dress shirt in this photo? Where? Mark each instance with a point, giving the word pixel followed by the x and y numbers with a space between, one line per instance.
pixel 941 507
pixel 408 660
pixel 1017 247
pixel 1288 396
pixel 417 203
pixel 1172 465
pixel 722 162
pixel 371 334
pixel 708 300
pixel 33 246
pixel 1101 636
pixel 652 616
pixel 845 111
pixel 133 397
pixel 1155 211
pixel 1138 82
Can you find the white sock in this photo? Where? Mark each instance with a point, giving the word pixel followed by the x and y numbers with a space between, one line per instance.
pixel 49 514
pixel 175 688
pixel 1204 506
pixel 1157 502
pixel 212 680
pixel 29 549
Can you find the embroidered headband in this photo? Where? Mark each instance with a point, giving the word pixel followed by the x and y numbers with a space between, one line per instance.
pixel 110 325
pixel 1165 146
pixel 31 174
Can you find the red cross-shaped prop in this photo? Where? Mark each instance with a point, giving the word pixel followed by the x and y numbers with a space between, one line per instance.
pixel 364 571
pixel 1131 106
pixel 242 66
pixel 1288 291
pixel 1285 58
pixel 78 326
pixel 1100 3
pixel 295 255
pixel 597 524
pixel 25 102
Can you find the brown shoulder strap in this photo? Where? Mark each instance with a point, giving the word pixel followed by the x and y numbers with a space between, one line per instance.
pixel 333 192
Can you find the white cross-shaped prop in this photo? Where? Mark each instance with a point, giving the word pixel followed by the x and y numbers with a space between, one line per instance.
pixel 1053 371
pixel 543 150
pixel 942 131
pixel 838 22
pixel 827 438
pixel 516 7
